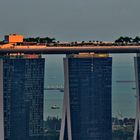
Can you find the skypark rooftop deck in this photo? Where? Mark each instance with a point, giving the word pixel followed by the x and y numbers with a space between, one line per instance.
pixel 43 49
pixel 15 43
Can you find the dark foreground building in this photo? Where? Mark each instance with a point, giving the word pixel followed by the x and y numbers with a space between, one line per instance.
pixel 21 98
pixel 87 103
pixel 137 77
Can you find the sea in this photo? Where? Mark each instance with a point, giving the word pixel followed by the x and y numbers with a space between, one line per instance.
pixel 123 86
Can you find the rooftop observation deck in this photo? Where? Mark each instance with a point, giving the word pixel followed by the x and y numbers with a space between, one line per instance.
pixel 68 49
pixel 15 43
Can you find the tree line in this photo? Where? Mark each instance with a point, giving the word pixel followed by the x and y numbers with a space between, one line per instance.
pixel 127 40
pixel 40 40
pixel 120 40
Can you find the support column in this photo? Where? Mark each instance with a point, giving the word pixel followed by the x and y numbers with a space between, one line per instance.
pixel 1 102
pixel 137 78
pixel 65 133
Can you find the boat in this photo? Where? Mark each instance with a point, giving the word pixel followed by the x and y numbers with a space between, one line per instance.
pixel 55 107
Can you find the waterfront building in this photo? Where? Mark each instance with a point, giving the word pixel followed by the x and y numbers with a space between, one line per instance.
pixel 137 78
pixel 21 98
pixel 87 107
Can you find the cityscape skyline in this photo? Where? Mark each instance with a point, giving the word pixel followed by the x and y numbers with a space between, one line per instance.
pixel 35 56
pixel 79 26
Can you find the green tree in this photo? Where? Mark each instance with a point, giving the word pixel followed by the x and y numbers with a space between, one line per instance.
pixel 120 40
pixel 136 39
pixel 40 40
pixel 123 40
pixel 127 40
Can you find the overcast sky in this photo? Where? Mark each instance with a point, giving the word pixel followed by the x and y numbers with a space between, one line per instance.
pixel 71 19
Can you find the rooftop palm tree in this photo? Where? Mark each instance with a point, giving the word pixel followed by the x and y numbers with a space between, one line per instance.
pixel 127 40
pixel 123 40
pixel 136 39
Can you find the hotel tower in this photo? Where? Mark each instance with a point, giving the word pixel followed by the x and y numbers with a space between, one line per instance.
pixel 21 98
pixel 87 107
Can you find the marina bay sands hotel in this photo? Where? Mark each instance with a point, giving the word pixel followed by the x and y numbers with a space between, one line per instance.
pixel 87 106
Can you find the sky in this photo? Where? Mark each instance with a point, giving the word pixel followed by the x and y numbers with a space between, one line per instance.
pixel 71 20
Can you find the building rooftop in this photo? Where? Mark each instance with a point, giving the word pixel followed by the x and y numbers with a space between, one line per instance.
pixel 88 55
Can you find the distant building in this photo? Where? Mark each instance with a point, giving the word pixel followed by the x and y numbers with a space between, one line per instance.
pixel 13 38
pixel 87 111
pixel 21 98
pixel 137 77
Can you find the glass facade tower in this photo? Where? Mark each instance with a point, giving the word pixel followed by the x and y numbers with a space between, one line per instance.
pixel 87 111
pixel 21 95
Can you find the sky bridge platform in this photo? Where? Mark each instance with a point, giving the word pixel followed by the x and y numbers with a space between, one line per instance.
pixel 36 49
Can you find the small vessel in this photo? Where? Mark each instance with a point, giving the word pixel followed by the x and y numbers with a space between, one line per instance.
pixel 55 107
pixel 61 90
